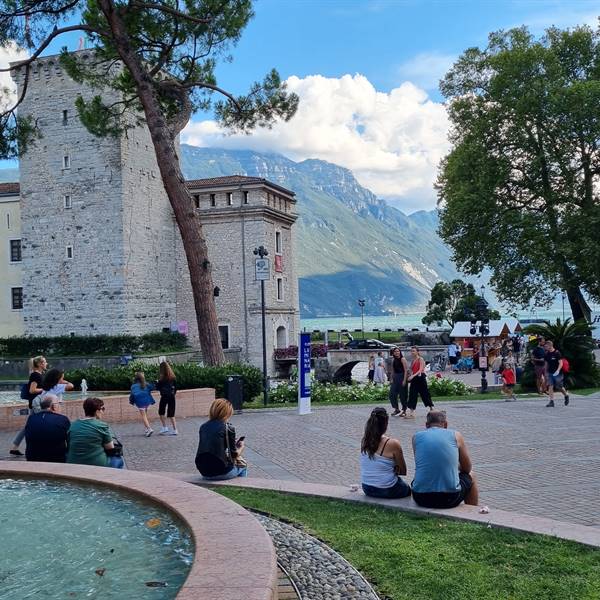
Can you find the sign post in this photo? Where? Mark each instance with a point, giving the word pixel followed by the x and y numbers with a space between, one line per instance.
pixel 262 267
pixel 304 381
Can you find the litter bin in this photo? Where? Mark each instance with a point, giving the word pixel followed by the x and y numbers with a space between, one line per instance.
pixel 234 391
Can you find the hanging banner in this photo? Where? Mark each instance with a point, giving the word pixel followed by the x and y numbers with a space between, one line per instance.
pixel 304 380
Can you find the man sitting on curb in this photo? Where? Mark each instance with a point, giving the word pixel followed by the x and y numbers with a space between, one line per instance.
pixel 443 475
pixel 46 432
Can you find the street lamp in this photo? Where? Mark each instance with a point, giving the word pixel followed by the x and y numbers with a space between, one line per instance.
pixel 482 314
pixel 361 303
pixel 262 273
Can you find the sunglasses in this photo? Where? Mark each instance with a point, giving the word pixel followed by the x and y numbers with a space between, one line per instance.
pixel 102 408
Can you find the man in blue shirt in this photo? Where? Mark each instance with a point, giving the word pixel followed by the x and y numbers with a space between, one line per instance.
pixel 443 470
pixel 46 432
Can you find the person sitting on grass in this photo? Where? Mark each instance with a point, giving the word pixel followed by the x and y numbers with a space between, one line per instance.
pixel 509 380
pixel 443 470
pixel 219 454
pixel 381 460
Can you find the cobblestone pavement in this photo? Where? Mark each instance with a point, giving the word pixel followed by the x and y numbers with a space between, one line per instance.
pixel 528 458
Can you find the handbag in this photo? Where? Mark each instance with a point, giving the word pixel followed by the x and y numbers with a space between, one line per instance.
pixel 239 461
pixel 117 450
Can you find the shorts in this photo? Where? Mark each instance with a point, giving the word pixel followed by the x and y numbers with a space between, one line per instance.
pixel 509 386
pixel 539 370
pixel 556 381
pixel 453 360
pixel 398 490
pixel 445 499
pixel 169 405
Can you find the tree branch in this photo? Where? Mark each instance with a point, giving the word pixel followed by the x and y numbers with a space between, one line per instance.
pixel 26 12
pixel 168 10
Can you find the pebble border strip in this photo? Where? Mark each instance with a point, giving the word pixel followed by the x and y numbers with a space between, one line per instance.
pixel 318 571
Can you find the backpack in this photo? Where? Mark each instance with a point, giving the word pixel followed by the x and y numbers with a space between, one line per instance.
pixel 566 367
pixel 24 387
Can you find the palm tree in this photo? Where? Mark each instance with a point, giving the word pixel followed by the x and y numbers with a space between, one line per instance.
pixel 574 341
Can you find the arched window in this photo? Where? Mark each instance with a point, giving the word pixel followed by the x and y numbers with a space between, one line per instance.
pixel 281 337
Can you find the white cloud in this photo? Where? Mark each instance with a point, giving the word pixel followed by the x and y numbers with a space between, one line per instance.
pixel 426 69
pixel 392 141
pixel 7 88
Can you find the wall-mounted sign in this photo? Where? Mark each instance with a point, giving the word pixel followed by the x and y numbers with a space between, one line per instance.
pixel 262 269
pixel 279 263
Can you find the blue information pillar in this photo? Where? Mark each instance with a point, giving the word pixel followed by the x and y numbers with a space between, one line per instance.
pixel 304 380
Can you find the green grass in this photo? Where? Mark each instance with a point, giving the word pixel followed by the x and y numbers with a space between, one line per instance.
pixel 388 337
pixel 424 558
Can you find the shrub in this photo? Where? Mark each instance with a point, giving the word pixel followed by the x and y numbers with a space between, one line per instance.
pixel 333 393
pixel 189 375
pixel 92 345
pixel 316 351
pixel 443 386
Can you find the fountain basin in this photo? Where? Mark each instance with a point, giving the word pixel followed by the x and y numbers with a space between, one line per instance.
pixel 233 556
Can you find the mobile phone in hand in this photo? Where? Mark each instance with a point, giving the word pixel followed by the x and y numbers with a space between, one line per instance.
pixel 240 440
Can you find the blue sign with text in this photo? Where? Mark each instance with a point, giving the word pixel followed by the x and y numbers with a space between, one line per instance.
pixel 304 377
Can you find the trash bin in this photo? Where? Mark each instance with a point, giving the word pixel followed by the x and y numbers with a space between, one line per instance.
pixel 234 391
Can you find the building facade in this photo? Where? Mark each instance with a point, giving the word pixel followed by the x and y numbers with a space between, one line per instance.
pixel 99 247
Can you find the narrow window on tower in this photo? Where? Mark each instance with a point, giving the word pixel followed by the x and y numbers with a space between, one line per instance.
pixel 15 251
pixel 213 200
pixel 66 161
pixel 65 117
pixel 7 220
pixel 278 242
pixel 197 200
pixel 229 198
pixel 17 298
pixel 279 289
pixel 69 252
pixel 68 202
pixel 245 197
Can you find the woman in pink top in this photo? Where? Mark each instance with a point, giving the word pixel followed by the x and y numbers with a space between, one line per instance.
pixel 418 384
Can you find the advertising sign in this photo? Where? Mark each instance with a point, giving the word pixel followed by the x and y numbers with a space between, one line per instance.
pixel 279 263
pixel 304 381
pixel 262 269
pixel 596 325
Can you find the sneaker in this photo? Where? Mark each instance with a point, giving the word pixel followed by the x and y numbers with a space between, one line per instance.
pixel 164 431
pixel 396 413
pixel 513 398
pixel 148 432
pixel 410 414
pixel 16 452
pixel 567 400
pixel 550 404
pixel 173 432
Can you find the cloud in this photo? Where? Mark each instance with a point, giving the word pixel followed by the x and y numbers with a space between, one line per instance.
pixel 392 141
pixel 426 69
pixel 8 89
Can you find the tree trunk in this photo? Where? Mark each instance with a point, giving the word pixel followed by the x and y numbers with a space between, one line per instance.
pixel 579 307
pixel 187 219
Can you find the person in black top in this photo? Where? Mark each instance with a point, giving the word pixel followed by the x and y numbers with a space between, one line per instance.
pixel 167 388
pixel 46 432
pixel 399 385
pixel 219 454
pixel 38 365
pixel 538 358
pixel 554 374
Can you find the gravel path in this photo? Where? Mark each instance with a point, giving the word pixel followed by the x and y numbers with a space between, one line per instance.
pixel 318 571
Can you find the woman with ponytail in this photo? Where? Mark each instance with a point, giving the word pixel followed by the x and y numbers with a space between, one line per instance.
pixel 381 460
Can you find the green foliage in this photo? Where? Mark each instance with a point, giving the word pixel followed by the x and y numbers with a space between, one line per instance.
pixel 452 302
pixel 436 553
pixel 92 345
pixel 517 191
pixel 188 376
pixel 572 340
pixel 443 386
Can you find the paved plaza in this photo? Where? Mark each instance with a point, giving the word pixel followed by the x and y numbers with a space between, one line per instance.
pixel 528 459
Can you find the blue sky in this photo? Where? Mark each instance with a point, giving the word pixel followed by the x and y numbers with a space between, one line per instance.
pixel 366 72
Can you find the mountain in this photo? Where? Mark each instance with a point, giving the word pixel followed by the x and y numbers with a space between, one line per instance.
pixel 349 243
pixel 9 175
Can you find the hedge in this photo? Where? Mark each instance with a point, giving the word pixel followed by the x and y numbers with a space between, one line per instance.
pixel 92 345
pixel 189 375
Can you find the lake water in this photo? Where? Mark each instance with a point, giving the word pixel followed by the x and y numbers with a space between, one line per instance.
pixel 406 321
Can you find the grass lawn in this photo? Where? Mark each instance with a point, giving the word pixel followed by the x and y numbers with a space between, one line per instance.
pixel 423 558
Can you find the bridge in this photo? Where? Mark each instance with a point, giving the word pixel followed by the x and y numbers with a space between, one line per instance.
pixel 338 365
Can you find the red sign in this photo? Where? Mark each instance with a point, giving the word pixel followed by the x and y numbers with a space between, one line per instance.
pixel 279 263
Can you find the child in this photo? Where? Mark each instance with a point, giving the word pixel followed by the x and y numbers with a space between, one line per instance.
pixel 509 380
pixel 141 397
pixel 167 388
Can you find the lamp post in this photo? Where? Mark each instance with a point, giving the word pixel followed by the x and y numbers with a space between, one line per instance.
pixel 482 314
pixel 262 273
pixel 361 303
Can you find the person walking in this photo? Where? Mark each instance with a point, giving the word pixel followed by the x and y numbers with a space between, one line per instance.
pixel 554 374
pixel 509 379
pixel 452 355
pixel 37 366
pixel 418 384
pixel 141 397
pixel 381 460
pixel 54 383
pixel 538 358
pixel 371 373
pixel 167 388
pixel 399 387
pixel 379 376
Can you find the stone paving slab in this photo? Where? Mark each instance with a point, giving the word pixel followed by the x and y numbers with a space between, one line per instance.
pixel 528 459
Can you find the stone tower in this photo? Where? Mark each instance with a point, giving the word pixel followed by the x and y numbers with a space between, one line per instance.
pixel 98 236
